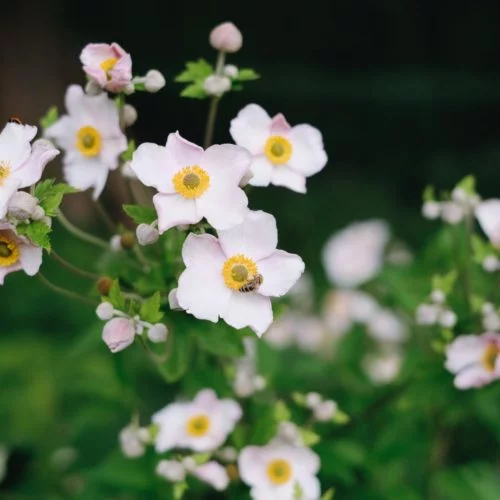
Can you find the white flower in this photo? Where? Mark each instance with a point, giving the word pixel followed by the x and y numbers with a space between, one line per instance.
pixel 173 303
pixel 382 368
pixel 452 212
pixel 92 139
pixel 491 264
pixel 216 85
pixel 386 326
pixel 431 210
pixel 21 164
pixel 355 255
pixel 491 322
pixel 438 296
pixel 447 319
pixel 22 206
pixel 234 276
pixel 324 411
pixel 313 399
pixel 154 81
pixel 17 253
pixel 488 216
pixel 194 183
pixel 427 314
pixel 158 333
pixel 230 70
pixel 105 311
pixel 119 333
pixel 201 425
pixel 487 308
pixel 474 359
pixel 131 443
pixel 274 470
pixel 288 433
pixel 171 470
pixel 213 474
pixel 282 155
pixel 146 234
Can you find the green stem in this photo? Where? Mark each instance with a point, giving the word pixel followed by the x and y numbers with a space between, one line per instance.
pixel 214 103
pixel 72 268
pixel 89 238
pixel 63 291
pixel 468 259
pixel 106 217
pixel 141 257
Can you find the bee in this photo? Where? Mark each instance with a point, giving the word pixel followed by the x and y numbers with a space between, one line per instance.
pixel 253 284
pixel 15 119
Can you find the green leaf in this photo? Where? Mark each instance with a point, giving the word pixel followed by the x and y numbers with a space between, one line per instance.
pixel 298 492
pixel 299 399
pixel 116 297
pixel 38 232
pixel 218 339
pixel 281 411
pixel 150 309
pixel 202 458
pixel 50 195
pixel 429 194
pixel 328 495
pixel 468 184
pixel 140 214
pixel 247 74
pixel 445 282
pixel 49 118
pixel 194 91
pixel 179 347
pixel 179 489
pixel 341 418
pixel 480 249
pixel 131 147
pixel 195 71
pixel 309 438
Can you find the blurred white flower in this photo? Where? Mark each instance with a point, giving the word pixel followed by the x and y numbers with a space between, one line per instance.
pixel 382 368
pixel 105 311
pixel 313 399
pixel 438 296
pixel 452 212
pixel 288 433
pixel 154 81
pixel 226 37
pixel 212 473
pixel 387 326
pixel 324 411
pixel 355 254
pixel 129 115
pixel 447 318
pixel 131 441
pixel 228 454
pixel 427 314
pixel 488 216
pixel 491 264
pixel 431 210
pixel 171 470
pixel 230 70
pixel 157 333
pixel 146 234
pixel 216 85
pixel 22 206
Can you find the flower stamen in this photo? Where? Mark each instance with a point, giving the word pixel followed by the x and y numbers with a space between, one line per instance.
pixel 198 426
pixel 108 65
pixel 4 171
pixel 279 471
pixel 490 356
pixel 9 251
pixel 278 149
pixel 89 141
pixel 191 182
pixel 238 271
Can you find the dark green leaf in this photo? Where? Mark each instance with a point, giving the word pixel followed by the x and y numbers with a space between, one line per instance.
pixel 38 232
pixel 150 309
pixel 50 195
pixel 49 118
pixel 195 71
pixel 218 339
pixel 116 297
pixel 140 214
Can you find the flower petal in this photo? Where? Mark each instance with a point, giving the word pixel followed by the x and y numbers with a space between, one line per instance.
pixel 252 463
pixel 170 420
pixel 281 270
pixel 31 170
pixel 30 258
pixel 174 210
pixel 279 125
pixel 256 237
pixel 15 144
pixel 262 171
pixel 488 216
pixel 226 161
pixel 251 310
pixel 183 152
pixel 154 166
pixel 203 250
pixel 251 128
pixel 4 271
pixel 309 156
pixel 63 131
pixel 213 474
pixel 86 173
pixel 7 189
pixel 287 177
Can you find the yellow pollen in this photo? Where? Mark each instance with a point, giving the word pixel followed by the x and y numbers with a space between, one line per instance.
pixel 278 149
pixel 9 251
pixel 490 356
pixel 238 271
pixel 4 171
pixel 108 65
pixel 279 471
pixel 89 141
pixel 198 426
pixel 191 182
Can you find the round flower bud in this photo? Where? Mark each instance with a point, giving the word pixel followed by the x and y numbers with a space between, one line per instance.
pixel 158 333
pixel 22 206
pixel 129 115
pixel 491 322
pixel 289 432
pixel 230 70
pixel 189 463
pixel 452 212
pixel 127 240
pixel 38 214
pixel 146 234
pixel 228 454
pixel 226 37
pixel 427 314
pixel 154 81
pixel 459 194
pixel 313 399
pixel 431 210
pixel 171 470
pixel 118 334
pixel 105 311
pixel 93 88
pixel 130 443
pixel 325 411
pixel 47 221
pixel 129 89
pixel 104 285
pixel 488 308
pixel 172 300
pixel 216 85
pixel 259 382
pixel 438 296
pixel 447 319
pixel 116 243
pixel 491 264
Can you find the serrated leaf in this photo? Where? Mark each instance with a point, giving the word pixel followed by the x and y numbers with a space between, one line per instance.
pixel 195 71
pixel 281 411
pixel 309 438
pixel 179 489
pixel 50 195
pixel 150 309
pixel 115 296
pixel 247 74
pixel 299 399
pixel 140 214
pixel 49 118
pixel 202 458
pixel 131 147
pixel 37 232
pixel 194 91
pixel 340 418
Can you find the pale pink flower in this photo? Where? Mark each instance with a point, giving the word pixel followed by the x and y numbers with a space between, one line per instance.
pixel 488 216
pixel 282 155
pixel 108 65
pixel 233 276
pixel 193 183
pixel 213 474
pixel 118 334
pixel 226 37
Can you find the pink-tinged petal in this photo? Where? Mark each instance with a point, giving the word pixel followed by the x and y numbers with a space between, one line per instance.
pixel 15 144
pixel 118 334
pixel 309 156
pixel 226 161
pixel 202 292
pixel 308 460
pixel 118 50
pixel 251 128
pixel 4 271
pixel 256 237
pixel 63 131
pixel 96 73
pixel 279 125
pixel 310 486
pixel 202 250
pixel 474 376
pixel 213 474
pixel 465 351
pixel 171 421
pixel 94 54
pixel 74 101
pixel 112 148
pixel 31 170
pixel 281 271
pixel 206 398
pixel 7 189
pixel 154 167
pixel 86 173
pixel 174 210
pixel 488 216
pixel 121 74
pixel 30 258
pixel 252 464
pixel 249 309
pixel 285 176
pixel 183 152
pixel 262 170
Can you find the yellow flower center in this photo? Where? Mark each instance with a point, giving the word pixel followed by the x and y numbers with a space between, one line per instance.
pixel 89 141
pixel 490 356
pixel 198 426
pixel 238 271
pixel 9 251
pixel 4 171
pixel 191 182
pixel 279 471
pixel 108 65
pixel 278 149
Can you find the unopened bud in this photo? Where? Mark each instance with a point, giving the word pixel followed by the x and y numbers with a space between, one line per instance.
pixel 172 300
pixel 104 285
pixel 158 333
pixel 146 234
pixel 127 240
pixel 129 115
pixel 116 243
pixel 171 470
pixel 154 81
pixel 216 85
pixel 447 319
pixel 226 37
pixel 118 334
pixel 129 88
pixel 228 454
pixel 431 210
pixel 105 311
pixel 247 177
pixel 491 264
pixel 325 411
pixel 438 296
pixel 189 463
pixel 230 70
pixel 22 206
pixel 313 399
pixel 452 212
pixel 47 221
pixel 38 214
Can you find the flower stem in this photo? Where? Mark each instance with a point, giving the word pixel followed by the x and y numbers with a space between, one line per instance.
pixel 63 291
pixel 214 103
pixel 72 268
pixel 468 257
pixel 75 231
pixel 106 217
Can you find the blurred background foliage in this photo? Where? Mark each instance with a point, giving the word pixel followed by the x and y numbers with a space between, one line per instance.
pixel 406 93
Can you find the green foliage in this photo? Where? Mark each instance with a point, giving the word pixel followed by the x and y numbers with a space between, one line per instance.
pixel 50 195
pixel 445 282
pixel 115 296
pixel 218 339
pixel 429 194
pixel 328 495
pixel 195 74
pixel 129 152
pixel 281 411
pixel 179 347
pixel 480 249
pixel 150 309
pixel 468 184
pixel 140 214
pixel 309 437
pixel 246 75
pixel 37 231
pixel 49 118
